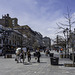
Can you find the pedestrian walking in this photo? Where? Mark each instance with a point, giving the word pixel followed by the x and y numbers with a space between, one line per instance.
pixel 25 50
pixel 47 52
pixel 35 55
pixel 18 50
pixel 38 55
pixel 22 56
pixel 29 55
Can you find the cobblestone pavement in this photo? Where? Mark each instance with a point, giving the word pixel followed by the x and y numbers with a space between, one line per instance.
pixel 9 66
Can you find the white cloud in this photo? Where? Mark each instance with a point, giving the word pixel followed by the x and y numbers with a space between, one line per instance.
pixel 39 16
pixel 49 29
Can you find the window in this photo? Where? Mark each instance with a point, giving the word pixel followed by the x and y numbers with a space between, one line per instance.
pixel 13 22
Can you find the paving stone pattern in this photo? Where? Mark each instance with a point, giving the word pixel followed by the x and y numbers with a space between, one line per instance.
pixel 9 66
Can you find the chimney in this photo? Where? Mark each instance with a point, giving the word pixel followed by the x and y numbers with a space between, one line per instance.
pixel 7 15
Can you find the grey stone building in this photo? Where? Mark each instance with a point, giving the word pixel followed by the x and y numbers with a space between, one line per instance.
pixel 10 39
pixel 7 21
pixel 47 42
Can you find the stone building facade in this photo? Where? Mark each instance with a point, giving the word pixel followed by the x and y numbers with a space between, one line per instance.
pixel 47 42
pixel 18 36
pixel 7 21
pixel 10 38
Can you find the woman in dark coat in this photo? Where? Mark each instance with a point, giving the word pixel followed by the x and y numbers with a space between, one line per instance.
pixel 38 55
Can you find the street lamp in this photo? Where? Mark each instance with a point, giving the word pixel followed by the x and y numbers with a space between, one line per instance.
pixel 66 40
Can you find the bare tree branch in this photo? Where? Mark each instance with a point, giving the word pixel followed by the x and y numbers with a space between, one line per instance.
pixel 73 22
pixel 60 27
pixel 59 32
pixel 63 24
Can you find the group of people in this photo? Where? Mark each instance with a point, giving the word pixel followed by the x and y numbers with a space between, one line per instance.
pixel 22 54
pixel 47 52
pixel 37 55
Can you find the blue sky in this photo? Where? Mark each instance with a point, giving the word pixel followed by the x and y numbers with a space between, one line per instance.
pixel 40 15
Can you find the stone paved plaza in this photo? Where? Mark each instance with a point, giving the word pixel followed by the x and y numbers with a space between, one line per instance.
pixel 9 66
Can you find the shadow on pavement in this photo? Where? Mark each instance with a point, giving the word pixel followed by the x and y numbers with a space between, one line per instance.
pixel 40 62
pixel 27 63
pixel 43 62
pixel 59 65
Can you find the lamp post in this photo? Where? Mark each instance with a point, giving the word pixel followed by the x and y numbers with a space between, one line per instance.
pixel 66 40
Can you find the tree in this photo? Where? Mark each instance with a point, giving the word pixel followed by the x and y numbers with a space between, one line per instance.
pixel 68 17
pixel 67 28
pixel 60 41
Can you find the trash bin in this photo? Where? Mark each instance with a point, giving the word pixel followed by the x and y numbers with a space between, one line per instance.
pixel 9 56
pixel 51 54
pixel 71 56
pixel 54 60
